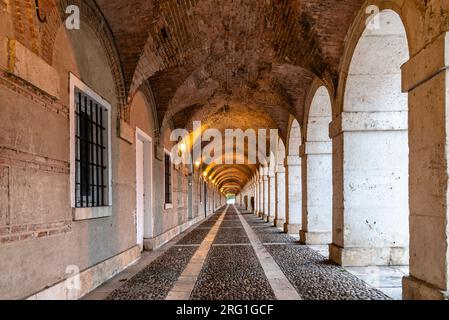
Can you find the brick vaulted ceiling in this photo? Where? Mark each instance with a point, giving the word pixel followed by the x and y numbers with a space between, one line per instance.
pixel 257 57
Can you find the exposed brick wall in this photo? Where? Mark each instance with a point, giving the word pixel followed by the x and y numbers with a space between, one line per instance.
pixel 10 234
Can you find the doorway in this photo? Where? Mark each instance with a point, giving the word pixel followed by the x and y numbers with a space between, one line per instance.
pixel 144 175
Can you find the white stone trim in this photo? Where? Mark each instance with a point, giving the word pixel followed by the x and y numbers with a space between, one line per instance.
pixel 80 214
pixel 369 121
pixel 140 134
pixel 90 278
pixel 429 62
pixel 294 160
pixel 87 213
pixel 316 147
pixel 159 241
pixel 18 60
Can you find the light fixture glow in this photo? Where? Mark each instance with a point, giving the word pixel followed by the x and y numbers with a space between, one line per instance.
pixel 182 147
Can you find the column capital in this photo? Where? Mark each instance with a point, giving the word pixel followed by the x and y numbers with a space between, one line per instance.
pixel 292 161
pixel 280 169
pixel 316 147
pixel 368 121
pixel 429 62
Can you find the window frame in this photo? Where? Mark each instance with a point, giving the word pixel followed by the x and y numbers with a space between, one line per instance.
pixel 88 212
pixel 168 205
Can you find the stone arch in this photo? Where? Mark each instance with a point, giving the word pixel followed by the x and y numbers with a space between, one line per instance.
pixel 316 155
pixel 293 179
pixel 279 219
pixel 412 21
pixel 294 137
pixel 141 115
pixel 92 17
pixel 280 153
pixel 370 138
pixel 146 94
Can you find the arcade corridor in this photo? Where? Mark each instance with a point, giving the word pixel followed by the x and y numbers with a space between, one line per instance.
pixel 224 149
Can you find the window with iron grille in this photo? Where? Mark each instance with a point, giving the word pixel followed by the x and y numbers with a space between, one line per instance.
pixel 91 152
pixel 168 183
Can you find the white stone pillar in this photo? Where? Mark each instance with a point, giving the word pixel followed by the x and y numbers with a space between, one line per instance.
pixel 260 212
pixel 294 195
pixel 256 196
pixel 317 193
pixel 370 205
pixel 426 78
pixel 271 196
pixel 266 195
pixel 280 197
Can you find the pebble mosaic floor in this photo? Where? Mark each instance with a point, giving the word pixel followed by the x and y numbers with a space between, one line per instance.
pixel 231 269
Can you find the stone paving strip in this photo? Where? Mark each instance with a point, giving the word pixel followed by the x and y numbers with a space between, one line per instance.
pixel 281 286
pixel 183 287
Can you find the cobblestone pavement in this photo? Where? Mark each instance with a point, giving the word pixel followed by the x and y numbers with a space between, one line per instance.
pixel 156 280
pixel 232 270
pixel 232 273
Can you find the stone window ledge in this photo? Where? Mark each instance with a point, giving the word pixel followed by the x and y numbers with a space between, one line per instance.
pixel 168 206
pixel 80 214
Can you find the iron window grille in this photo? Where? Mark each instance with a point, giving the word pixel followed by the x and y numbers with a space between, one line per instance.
pixel 91 152
pixel 168 174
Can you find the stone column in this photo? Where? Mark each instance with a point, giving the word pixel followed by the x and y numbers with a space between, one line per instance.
pixel 260 212
pixel 256 196
pixel 293 202
pixel 317 193
pixel 426 78
pixel 280 197
pixel 271 197
pixel 266 195
pixel 370 204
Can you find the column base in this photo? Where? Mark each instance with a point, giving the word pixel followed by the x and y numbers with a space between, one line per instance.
pixel 264 217
pixel 315 237
pixel 269 219
pixel 292 228
pixel 279 223
pixel 415 289
pixel 365 257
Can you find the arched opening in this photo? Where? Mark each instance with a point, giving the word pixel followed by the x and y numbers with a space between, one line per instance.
pixel 371 153
pixel 293 179
pixel 279 220
pixel 317 172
